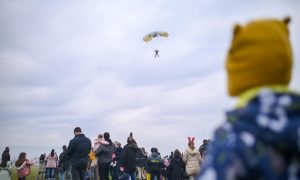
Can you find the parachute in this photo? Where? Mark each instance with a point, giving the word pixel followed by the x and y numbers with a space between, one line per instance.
pixel 148 37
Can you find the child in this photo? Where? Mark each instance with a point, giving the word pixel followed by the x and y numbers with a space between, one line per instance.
pixel 23 166
pixel 98 141
pixel 260 139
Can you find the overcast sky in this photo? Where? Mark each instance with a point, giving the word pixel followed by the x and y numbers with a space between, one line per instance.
pixel 83 63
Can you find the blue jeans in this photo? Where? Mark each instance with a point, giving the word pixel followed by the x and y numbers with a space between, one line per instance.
pixel 131 175
pixel 50 173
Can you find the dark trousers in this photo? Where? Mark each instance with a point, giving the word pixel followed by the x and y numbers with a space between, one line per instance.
pixel 103 169
pixel 78 173
pixel 154 173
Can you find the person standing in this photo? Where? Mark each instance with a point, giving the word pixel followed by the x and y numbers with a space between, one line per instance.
pixel 203 148
pixel 51 164
pixel 192 159
pixel 23 166
pixel 141 163
pixel 5 157
pixel 176 168
pixel 104 154
pixel 78 150
pixel 116 161
pixel 42 167
pixel 128 160
pixel 155 164
pixel 64 164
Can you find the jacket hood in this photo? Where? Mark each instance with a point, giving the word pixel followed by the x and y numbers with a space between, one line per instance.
pixel 154 154
pixel 132 145
pixel 192 152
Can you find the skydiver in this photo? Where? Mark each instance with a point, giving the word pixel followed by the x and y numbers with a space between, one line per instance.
pixel 156 53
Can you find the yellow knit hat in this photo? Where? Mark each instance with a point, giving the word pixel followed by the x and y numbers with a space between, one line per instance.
pixel 260 55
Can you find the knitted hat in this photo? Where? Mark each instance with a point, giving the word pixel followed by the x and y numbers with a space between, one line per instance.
pixel 260 55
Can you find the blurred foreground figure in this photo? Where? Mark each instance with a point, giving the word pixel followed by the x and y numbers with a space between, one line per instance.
pixel 261 138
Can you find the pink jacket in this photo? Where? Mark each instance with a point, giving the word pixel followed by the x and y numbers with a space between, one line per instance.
pixel 51 161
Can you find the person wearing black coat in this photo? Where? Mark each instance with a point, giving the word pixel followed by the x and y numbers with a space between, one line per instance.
pixel 104 154
pixel 78 150
pixel 176 168
pixel 64 163
pixel 5 157
pixel 128 159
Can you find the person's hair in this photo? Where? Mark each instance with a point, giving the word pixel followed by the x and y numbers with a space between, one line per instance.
pixel 52 153
pixel 119 144
pixel 21 159
pixel 177 153
pixel 64 147
pixel 42 157
pixel 100 136
pixel 205 141
pixel 154 149
pixel 106 136
pixel 77 130
pixel 191 143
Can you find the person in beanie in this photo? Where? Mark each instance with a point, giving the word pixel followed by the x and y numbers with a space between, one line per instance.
pixel 78 150
pixel 192 159
pixel 104 154
pixel 155 164
pixel 260 139
pixel 128 159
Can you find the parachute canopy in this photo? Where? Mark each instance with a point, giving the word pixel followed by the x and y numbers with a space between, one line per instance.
pixel 150 36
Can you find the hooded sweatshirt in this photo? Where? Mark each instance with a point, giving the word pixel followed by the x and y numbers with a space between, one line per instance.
pixel 155 162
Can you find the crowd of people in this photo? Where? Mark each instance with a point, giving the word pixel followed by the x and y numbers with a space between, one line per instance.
pixel 259 140
pixel 105 159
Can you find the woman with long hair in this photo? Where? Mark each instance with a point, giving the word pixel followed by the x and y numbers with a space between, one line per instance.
pixel 23 166
pixel 51 165
pixel 42 167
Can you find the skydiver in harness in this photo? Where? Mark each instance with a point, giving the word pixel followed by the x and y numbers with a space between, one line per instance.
pixel 156 53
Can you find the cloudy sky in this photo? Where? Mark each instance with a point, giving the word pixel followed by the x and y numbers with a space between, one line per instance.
pixel 83 63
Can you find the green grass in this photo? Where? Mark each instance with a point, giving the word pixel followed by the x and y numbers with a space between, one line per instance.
pixel 32 176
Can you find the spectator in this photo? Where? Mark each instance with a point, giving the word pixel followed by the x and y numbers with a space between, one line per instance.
pixel 260 139
pixel 98 141
pixel 141 163
pixel 155 164
pixel 92 166
pixel 51 164
pixel 203 148
pixel 104 154
pixel 128 159
pixel 23 166
pixel 192 159
pixel 42 167
pixel 78 150
pixel 116 160
pixel 5 157
pixel 176 168
pixel 64 164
